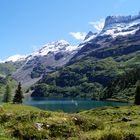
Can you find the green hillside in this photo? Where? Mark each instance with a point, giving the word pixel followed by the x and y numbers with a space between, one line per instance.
pixel 8 68
pixel 89 77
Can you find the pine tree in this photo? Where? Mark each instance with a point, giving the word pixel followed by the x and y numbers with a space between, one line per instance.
pixel 7 95
pixel 137 96
pixel 18 95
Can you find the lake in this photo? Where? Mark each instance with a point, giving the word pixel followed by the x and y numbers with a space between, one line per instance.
pixel 68 105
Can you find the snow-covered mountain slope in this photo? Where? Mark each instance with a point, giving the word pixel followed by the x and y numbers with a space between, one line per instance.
pixel 46 59
pixel 55 47
pixel 50 48
pixel 121 25
pixel 15 58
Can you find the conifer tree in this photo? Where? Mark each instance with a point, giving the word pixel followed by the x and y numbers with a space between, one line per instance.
pixel 18 95
pixel 137 94
pixel 7 95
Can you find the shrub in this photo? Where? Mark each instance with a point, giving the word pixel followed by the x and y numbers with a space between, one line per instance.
pixel 61 130
pixel 112 136
pixel 131 137
pixel 137 96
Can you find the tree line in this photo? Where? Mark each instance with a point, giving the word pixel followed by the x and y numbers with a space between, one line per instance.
pixel 18 97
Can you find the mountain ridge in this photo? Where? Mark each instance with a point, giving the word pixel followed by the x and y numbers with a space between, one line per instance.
pixel 120 19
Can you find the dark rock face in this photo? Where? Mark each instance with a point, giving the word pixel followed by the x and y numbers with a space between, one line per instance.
pixel 59 56
pixel 125 119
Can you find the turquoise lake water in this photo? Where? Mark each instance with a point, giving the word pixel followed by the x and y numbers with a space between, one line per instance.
pixel 68 105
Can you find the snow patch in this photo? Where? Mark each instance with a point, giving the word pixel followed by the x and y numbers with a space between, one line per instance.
pixel 15 58
pixel 53 48
pixel 121 29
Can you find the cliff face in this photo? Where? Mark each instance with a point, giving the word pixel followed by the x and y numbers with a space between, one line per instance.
pixel 120 19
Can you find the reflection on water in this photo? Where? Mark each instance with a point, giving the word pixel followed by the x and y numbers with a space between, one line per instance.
pixel 68 105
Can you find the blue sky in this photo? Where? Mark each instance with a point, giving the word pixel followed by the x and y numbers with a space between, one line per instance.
pixel 27 24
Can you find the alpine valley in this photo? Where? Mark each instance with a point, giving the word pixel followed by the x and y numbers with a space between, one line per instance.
pixel 104 66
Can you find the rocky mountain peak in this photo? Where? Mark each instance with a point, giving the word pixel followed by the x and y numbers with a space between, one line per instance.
pixel 121 25
pixel 59 43
pixel 117 19
pixel 55 47
pixel 89 34
pixel 120 19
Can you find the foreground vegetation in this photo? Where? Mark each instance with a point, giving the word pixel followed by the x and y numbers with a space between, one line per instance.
pixel 113 123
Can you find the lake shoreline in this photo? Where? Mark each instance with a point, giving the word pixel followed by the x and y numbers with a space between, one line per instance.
pixel 116 100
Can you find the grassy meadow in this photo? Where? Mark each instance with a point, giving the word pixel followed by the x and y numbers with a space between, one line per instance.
pixel 20 122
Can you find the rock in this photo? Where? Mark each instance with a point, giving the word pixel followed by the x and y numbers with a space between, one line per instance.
pixel 90 33
pixel 125 119
pixel 39 126
pixel 48 125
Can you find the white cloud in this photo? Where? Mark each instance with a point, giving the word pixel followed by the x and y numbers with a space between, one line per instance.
pixel 78 35
pixel 98 25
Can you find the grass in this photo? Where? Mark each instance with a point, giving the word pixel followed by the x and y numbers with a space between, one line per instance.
pixel 20 122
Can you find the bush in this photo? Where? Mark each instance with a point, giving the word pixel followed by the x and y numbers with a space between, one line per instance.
pixel 29 132
pixel 112 136
pixel 61 130
pixel 41 90
pixel 131 137
pixel 86 124
pixel 137 96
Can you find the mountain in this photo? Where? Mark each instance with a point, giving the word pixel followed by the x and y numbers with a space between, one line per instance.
pixel 116 28
pixel 103 57
pixel 44 60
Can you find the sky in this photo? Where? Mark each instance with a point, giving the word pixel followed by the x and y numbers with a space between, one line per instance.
pixel 26 25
